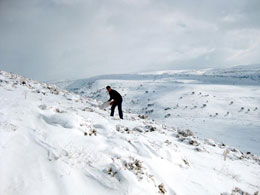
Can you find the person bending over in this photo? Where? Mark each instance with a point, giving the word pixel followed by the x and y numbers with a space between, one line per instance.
pixel 117 101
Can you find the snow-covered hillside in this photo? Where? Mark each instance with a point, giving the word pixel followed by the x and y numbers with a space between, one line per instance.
pixel 55 142
pixel 223 104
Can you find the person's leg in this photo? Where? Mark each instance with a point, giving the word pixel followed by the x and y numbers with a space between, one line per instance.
pixel 120 112
pixel 112 109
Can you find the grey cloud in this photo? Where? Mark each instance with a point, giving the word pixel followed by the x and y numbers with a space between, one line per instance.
pixel 57 39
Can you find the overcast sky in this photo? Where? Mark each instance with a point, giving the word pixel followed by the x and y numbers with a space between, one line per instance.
pixel 64 39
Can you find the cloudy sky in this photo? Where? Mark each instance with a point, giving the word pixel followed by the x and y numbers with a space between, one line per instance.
pixel 65 39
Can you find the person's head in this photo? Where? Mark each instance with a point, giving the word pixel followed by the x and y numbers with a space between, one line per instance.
pixel 108 88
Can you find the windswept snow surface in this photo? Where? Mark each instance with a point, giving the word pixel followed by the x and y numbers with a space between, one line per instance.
pixel 55 142
pixel 221 104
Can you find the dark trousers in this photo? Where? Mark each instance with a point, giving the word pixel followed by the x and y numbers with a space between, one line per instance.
pixel 119 105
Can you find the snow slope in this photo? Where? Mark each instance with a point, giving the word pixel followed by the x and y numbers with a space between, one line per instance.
pixel 222 104
pixel 55 142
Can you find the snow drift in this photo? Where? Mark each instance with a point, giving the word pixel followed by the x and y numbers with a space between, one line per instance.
pixel 56 142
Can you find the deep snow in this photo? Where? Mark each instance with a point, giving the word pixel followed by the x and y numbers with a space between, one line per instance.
pixel 55 142
pixel 222 104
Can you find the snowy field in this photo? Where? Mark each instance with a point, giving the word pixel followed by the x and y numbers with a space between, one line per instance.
pixel 56 142
pixel 221 104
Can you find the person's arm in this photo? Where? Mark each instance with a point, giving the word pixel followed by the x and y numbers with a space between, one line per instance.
pixel 112 102
pixel 112 96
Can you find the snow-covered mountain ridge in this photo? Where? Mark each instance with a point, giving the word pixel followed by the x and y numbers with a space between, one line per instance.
pixel 238 75
pixel 56 142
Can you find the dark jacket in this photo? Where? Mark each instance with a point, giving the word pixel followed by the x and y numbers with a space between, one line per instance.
pixel 115 96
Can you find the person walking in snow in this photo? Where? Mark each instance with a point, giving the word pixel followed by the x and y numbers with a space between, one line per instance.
pixel 117 101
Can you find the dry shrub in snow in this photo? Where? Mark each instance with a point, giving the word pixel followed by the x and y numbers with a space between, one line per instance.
pixel 204 105
pixel 185 133
pixel 58 110
pixel 111 172
pixel 210 142
pixel 149 111
pixel 91 132
pixel 136 167
pixel 238 191
pixel 143 116
pixel 149 128
pixel 43 107
pixel 167 115
pixel 162 189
